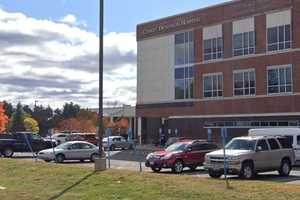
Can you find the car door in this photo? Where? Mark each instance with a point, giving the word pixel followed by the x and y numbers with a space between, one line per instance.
pixel 296 147
pixel 193 155
pixel 117 142
pixel 86 150
pixel 73 152
pixel 274 158
pixel 261 155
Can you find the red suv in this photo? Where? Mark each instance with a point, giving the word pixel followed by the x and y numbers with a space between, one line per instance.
pixel 186 153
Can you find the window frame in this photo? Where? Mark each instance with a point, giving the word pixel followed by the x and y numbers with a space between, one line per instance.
pixel 278 42
pixel 243 48
pixel 278 67
pixel 233 82
pixel 217 52
pixel 212 91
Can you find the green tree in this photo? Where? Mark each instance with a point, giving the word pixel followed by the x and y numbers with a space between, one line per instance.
pixel 31 125
pixel 9 109
pixel 70 110
pixel 44 118
pixel 17 120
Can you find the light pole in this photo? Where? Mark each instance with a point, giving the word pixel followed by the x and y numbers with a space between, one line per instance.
pixel 100 163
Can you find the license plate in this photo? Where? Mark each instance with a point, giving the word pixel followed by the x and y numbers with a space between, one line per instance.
pixel 151 163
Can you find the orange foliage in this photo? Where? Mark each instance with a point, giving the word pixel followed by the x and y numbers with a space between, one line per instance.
pixel 80 125
pixel 3 118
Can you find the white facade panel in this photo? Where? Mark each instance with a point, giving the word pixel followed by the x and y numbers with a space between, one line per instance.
pixel 245 25
pixel 212 32
pixel 155 78
pixel 279 18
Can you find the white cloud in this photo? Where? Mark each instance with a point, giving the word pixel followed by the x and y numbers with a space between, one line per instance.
pixel 71 19
pixel 54 62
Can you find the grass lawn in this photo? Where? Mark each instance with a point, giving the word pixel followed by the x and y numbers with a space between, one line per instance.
pixel 26 180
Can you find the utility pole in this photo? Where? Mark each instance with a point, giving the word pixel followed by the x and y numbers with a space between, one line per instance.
pixel 100 163
pixel 101 36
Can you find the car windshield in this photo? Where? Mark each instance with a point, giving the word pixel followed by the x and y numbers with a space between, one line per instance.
pixel 63 146
pixel 241 144
pixel 176 147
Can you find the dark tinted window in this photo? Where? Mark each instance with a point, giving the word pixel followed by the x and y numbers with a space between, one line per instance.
pixel 85 146
pixel 286 142
pixel 273 144
pixel 263 144
pixel 196 147
pixel 298 140
pixel 76 146
pixel 209 146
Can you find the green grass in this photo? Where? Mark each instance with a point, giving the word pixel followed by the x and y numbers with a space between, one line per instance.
pixel 26 180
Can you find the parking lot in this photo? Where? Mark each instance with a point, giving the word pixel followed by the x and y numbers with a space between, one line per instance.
pixel 127 160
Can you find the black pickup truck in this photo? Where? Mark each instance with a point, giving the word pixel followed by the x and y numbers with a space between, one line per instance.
pixel 23 142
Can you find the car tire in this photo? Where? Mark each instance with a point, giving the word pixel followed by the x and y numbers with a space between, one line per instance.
pixel 47 160
pixel 8 153
pixel 178 167
pixel 156 169
pixel 247 171
pixel 285 168
pixel 82 161
pixel 112 147
pixel 94 157
pixel 60 158
pixel 214 174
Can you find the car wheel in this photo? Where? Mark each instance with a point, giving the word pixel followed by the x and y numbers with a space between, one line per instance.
pixel 285 168
pixel 178 167
pixel 156 169
pixel 214 174
pixel 82 161
pixel 60 158
pixel 8 153
pixel 247 171
pixel 112 147
pixel 94 157
pixel 47 160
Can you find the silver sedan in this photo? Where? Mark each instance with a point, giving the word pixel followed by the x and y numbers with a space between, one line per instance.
pixel 75 150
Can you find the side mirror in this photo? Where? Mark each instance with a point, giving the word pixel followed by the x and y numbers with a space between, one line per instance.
pixel 189 149
pixel 69 148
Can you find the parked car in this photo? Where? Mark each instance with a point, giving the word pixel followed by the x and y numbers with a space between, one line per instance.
pixel 116 142
pixel 76 150
pixel 23 142
pixel 60 137
pixel 187 153
pixel 247 156
pixel 293 135
pixel 88 137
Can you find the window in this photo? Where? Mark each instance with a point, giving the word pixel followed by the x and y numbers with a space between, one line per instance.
pixel 273 144
pixel 243 43
pixel 280 80
pixel 286 142
pixel 213 48
pixel 298 140
pixel 85 146
pixel 184 83
pixel 263 145
pixel 184 56
pixel 279 37
pixel 244 83
pixel 213 85
pixel 184 48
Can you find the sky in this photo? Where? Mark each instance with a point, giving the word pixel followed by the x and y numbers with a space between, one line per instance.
pixel 49 48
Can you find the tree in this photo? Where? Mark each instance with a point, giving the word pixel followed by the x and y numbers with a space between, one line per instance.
pixel 3 118
pixel 31 125
pixel 70 110
pixel 17 120
pixel 44 118
pixel 73 124
pixel 9 109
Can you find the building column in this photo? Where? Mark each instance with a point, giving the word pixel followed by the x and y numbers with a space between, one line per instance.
pixel 139 129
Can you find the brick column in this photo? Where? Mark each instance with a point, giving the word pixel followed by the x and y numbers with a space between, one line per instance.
pixel 227 39
pixel 260 34
pixel 295 24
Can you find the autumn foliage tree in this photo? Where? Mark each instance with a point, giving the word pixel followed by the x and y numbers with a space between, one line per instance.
pixel 3 118
pixel 80 125
pixel 31 125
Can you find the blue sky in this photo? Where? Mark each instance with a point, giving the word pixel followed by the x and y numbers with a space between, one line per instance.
pixel 121 15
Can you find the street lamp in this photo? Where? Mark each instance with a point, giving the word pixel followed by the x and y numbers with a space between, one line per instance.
pixel 100 164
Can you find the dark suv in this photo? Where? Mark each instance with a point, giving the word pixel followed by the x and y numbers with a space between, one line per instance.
pixel 186 153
